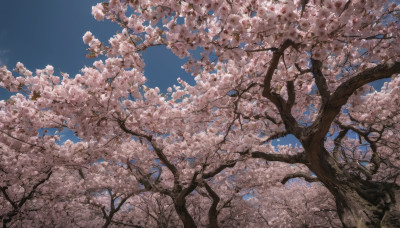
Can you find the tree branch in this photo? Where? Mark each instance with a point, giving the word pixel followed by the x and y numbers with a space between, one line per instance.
pixel 320 80
pixel 147 182
pixel 212 212
pixel 375 159
pixel 291 95
pixel 16 207
pixel 3 190
pixel 283 106
pixel 329 112
pixel 306 177
pixel 31 144
pixel 346 89
pixel 180 203
pixel 277 135
pixel 190 188
pixel 297 158
pixel 158 151
pixel 272 67
pixel 30 195
pixel 338 141
pixel 262 49
pixel 214 172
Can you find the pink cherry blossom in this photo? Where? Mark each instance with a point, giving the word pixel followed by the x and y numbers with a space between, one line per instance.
pixel 282 128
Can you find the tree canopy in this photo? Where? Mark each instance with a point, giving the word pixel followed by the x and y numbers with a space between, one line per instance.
pixel 206 155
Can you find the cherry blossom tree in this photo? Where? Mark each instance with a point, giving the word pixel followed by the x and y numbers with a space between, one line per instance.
pixel 27 159
pixel 205 154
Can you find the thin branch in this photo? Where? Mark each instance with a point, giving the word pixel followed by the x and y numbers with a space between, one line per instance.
pixel 158 151
pixel 32 192
pixel 373 37
pixel 320 80
pixel 301 70
pixel 262 49
pixel 375 159
pixel 277 135
pixel 338 141
pixel 31 144
pixel 307 177
pixel 3 190
pixel 228 164
pixel 346 6
pixel 146 181
pixel 16 207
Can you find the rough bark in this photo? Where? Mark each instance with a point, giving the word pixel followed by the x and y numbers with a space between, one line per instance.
pixel 184 214
pixel 212 212
pixel 374 206
pixel 359 202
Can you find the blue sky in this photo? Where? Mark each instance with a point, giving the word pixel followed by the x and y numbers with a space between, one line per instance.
pixel 49 32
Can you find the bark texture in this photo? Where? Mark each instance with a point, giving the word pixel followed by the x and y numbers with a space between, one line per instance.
pixel 360 203
pixel 184 214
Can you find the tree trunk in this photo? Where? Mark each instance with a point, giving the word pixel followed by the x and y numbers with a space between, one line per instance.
pixel 183 213
pixel 371 205
pixel 360 203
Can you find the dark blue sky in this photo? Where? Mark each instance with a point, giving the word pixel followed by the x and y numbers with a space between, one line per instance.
pixel 49 32
pixel 42 32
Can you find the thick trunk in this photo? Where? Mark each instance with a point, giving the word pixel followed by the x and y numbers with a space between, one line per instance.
pixel 5 221
pixel 360 203
pixel 184 215
pixel 107 223
pixel 373 206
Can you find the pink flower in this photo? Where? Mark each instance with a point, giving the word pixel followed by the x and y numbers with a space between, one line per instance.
pixel 97 12
pixel 87 37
